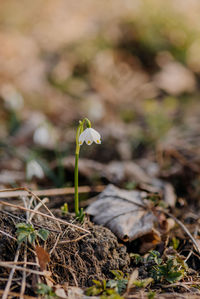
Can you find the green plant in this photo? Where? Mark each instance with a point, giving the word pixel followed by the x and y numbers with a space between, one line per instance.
pixel 119 283
pixel 64 209
pixel 45 291
pixel 155 257
pixel 171 270
pixel 88 135
pixel 151 295
pixel 137 258
pixel 143 283
pixel 103 289
pixel 26 232
pixel 175 243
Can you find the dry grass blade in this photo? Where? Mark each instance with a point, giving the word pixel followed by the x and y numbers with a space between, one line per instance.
pixel 75 240
pixel 13 294
pixel 7 235
pixel 8 285
pixel 184 228
pixel 23 285
pixel 14 267
pixel 16 192
pixel 44 215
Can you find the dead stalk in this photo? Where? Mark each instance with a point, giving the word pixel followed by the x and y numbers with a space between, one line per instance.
pixel 45 215
pixel 14 267
pixel 16 192
pixel 184 228
pixel 7 235
pixel 8 285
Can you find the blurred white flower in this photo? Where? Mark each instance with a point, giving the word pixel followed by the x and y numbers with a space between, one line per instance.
pixel 89 135
pixel 41 135
pixel 33 169
pixel 12 98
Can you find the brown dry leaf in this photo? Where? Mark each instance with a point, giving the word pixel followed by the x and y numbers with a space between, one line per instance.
pixel 175 79
pixel 43 257
pixel 78 293
pixel 134 275
pixel 60 292
pixel 149 241
pixel 123 212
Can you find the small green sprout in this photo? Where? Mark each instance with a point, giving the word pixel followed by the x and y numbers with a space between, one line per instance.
pixel 64 209
pixel 175 243
pixel 45 291
pixel 101 288
pixel 119 283
pixel 137 258
pixel 26 232
pixel 143 283
pixel 171 270
pixel 151 295
pixel 88 135
pixel 112 289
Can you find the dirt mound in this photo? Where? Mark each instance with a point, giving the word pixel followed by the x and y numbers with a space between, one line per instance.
pixel 76 258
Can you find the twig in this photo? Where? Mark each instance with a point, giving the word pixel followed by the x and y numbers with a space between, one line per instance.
pixel 174 285
pixel 14 267
pixel 23 219
pixel 23 285
pixel 16 192
pixel 44 215
pixel 44 200
pixel 184 228
pixel 7 288
pixel 42 203
pixel 7 235
pixel 75 240
pixel 19 263
pixel 13 294
pixel 56 243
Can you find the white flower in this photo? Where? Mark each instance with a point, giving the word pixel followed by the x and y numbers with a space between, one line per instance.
pixel 89 135
pixel 33 169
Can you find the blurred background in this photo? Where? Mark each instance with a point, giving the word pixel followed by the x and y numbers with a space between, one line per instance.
pixel 131 67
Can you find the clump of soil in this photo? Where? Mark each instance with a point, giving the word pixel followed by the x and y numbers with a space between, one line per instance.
pixel 92 257
pixel 81 259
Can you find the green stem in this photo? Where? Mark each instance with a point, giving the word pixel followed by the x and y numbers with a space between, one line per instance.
pixel 79 131
pixel 76 203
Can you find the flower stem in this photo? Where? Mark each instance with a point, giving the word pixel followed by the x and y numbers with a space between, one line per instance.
pixel 76 199
pixel 79 131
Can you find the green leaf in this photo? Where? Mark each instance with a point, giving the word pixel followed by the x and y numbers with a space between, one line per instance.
pixel 22 237
pixel 151 295
pixel 117 273
pixel 32 237
pixel 175 243
pixel 174 276
pixel 137 258
pixel 93 291
pixel 45 291
pixel 43 234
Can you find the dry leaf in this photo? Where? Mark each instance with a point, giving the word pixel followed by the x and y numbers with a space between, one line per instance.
pixel 134 275
pixel 60 292
pixel 123 212
pixel 43 257
pixel 149 241
pixel 77 293
pixel 175 79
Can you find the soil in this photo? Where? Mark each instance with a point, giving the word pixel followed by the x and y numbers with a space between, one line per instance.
pixel 76 262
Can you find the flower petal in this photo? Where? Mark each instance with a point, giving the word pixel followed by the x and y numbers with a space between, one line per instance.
pixel 88 136
pixel 96 136
pixel 82 138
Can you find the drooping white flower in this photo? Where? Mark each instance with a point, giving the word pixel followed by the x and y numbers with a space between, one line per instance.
pixel 89 135
pixel 33 169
